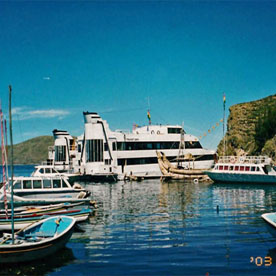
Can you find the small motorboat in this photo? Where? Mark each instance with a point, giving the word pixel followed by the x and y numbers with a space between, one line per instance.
pixel 51 171
pixel 47 187
pixel 243 170
pixel 270 218
pixel 36 241
pixel 44 190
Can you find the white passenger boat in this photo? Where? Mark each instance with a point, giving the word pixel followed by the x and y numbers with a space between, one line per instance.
pixel 51 171
pixel 46 170
pixel 45 188
pixel 244 169
pixel 105 153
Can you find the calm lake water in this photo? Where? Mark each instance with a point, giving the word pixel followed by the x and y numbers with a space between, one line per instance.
pixel 154 228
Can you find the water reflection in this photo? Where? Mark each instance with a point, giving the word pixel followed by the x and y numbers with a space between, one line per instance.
pixel 170 228
pixel 148 201
pixel 244 199
pixel 46 265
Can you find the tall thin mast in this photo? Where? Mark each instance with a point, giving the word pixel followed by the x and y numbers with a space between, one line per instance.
pixel 224 142
pixel 6 151
pixel 4 162
pixel 11 155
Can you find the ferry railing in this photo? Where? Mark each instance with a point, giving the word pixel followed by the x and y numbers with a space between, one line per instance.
pixel 244 159
pixel 66 167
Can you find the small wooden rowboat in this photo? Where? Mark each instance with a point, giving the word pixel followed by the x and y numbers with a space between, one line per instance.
pixel 38 240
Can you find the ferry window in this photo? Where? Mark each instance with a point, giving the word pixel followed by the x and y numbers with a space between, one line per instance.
pixel 149 145
pixel 265 169
pixel 253 169
pixel 257 169
pixel 64 185
pixel 17 185
pixel 174 130
pixel 47 170
pixel 231 168
pixel 193 145
pixel 46 183
pixel 37 184
pixel 79 147
pixel 236 168
pixel 72 144
pixel 247 168
pixel 41 171
pixel 226 168
pixel 56 183
pixel 27 184
pixel 114 146
pixel 105 147
pixel 94 150
pixel 60 153
pixel 220 168
pixel 241 168
pixel 107 161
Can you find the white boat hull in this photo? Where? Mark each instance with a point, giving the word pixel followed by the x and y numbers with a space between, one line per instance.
pixel 241 178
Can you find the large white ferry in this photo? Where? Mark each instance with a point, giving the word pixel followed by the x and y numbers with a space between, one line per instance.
pixel 100 151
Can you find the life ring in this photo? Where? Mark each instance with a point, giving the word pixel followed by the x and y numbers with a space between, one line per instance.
pixel 241 159
pixel 158 132
pixel 196 181
pixel 232 159
pixel 152 132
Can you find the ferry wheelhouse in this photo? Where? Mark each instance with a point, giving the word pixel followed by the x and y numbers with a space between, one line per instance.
pixel 244 169
pixel 100 151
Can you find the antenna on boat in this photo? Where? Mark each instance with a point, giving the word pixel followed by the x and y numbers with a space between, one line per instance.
pixel 223 128
pixel 181 146
pixel 11 141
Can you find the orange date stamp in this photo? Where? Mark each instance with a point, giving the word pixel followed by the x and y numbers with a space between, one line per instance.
pixel 261 261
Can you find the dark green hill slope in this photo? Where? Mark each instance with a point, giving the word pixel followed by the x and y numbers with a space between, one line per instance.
pixel 251 128
pixel 32 151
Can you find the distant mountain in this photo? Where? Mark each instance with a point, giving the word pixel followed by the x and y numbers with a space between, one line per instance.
pixel 32 151
pixel 251 128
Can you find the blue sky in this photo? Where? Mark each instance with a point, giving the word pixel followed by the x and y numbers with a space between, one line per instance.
pixel 63 58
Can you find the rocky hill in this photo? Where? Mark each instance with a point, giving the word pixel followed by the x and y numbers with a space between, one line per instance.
pixel 32 151
pixel 251 128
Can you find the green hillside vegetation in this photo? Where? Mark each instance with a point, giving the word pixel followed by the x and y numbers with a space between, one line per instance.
pixel 32 151
pixel 265 128
pixel 251 128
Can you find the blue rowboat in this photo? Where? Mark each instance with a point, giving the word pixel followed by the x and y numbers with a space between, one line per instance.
pixel 25 220
pixel 38 240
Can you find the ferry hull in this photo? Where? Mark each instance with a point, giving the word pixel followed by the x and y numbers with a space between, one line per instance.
pixel 241 178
